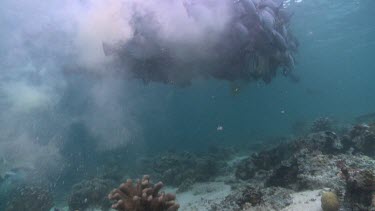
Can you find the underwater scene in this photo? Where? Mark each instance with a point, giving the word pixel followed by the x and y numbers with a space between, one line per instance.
pixel 189 105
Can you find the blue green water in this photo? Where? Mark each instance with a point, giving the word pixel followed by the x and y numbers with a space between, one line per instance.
pixel 335 66
pixel 39 104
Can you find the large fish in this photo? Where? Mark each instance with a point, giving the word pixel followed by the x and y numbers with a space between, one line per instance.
pixel 247 12
pixel 270 11
pixel 293 43
pixel 290 63
pixel 284 15
pixel 242 32
pixel 267 20
pixel 284 31
pixel 249 7
pixel 258 28
pixel 256 2
pixel 279 41
pixel 274 5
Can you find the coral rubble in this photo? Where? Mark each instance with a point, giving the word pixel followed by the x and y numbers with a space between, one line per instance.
pixel 252 197
pixel 29 197
pixel 322 124
pixel 184 169
pixel 143 196
pixel 90 194
pixel 285 156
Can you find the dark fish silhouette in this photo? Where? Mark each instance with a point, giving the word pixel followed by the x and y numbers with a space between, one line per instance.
pixel 279 41
pixel 249 7
pixel 255 44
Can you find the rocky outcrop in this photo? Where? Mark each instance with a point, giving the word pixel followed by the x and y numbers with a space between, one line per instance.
pixel 319 160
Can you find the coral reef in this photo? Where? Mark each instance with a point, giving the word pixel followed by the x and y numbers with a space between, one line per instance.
pixel 362 139
pixel 284 175
pixel 322 124
pixel 360 187
pixel 246 169
pixel 317 170
pixel 90 194
pixel 144 196
pixel 29 197
pixel 330 202
pixel 283 157
pixel 327 142
pixel 184 169
pixel 343 163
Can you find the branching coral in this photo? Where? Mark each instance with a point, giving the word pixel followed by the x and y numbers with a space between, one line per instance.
pixel 143 196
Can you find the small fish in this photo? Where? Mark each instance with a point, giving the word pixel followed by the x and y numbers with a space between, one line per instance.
pixel 242 32
pixel 236 87
pixel 220 128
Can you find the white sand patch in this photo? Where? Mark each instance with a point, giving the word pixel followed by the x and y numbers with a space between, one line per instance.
pixel 307 200
pixel 201 196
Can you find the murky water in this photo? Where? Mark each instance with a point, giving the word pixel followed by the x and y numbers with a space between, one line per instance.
pixel 70 114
